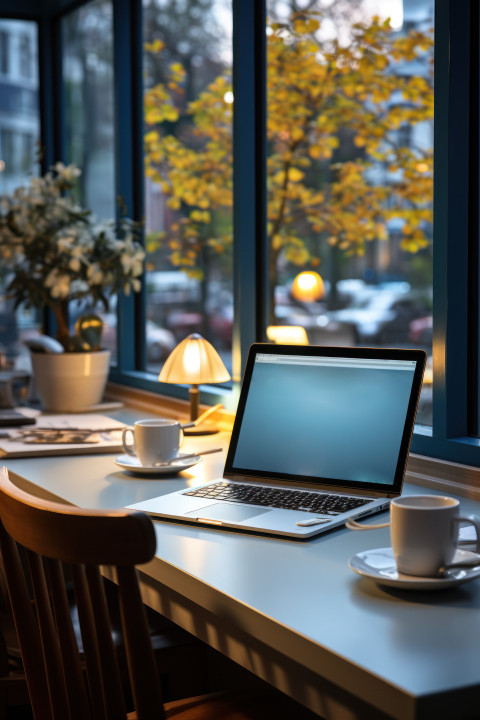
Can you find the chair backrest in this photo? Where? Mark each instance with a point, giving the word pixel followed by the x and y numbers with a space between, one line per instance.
pixel 62 683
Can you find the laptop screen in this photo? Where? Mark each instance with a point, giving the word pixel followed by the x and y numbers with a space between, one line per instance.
pixel 338 416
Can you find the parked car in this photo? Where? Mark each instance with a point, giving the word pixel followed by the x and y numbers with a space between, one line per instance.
pixel 421 331
pixel 172 288
pixel 159 341
pixel 382 317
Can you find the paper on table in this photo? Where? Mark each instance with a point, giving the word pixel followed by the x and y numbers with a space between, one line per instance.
pixel 105 436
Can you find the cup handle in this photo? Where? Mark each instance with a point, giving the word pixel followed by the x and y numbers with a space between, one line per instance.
pixel 475 521
pixel 182 435
pixel 129 449
pixel 352 524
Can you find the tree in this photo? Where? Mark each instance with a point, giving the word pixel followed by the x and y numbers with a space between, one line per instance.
pixel 336 121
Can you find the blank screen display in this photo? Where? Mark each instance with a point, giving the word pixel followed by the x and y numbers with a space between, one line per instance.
pixel 342 423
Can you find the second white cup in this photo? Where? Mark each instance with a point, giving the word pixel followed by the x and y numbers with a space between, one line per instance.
pixel 156 440
pixel 424 532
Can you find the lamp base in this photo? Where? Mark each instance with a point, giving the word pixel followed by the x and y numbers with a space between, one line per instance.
pixel 203 428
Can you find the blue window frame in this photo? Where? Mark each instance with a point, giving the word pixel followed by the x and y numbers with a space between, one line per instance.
pixel 456 407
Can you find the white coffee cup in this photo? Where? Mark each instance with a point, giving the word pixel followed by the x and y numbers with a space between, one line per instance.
pixel 153 441
pixel 424 532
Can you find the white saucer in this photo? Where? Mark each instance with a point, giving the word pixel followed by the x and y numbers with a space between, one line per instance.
pixel 379 565
pixel 128 462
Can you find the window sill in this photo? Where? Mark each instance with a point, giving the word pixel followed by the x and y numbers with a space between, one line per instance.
pixel 448 477
pixel 166 405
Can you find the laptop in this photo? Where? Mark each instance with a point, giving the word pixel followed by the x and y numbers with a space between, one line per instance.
pixel 321 434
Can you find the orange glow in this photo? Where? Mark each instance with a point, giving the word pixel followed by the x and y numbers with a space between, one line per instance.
pixel 308 286
pixel 288 334
pixel 422 167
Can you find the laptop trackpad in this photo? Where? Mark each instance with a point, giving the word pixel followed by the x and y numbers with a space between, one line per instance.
pixel 226 511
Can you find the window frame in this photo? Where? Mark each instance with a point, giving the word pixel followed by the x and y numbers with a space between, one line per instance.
pixel 456 265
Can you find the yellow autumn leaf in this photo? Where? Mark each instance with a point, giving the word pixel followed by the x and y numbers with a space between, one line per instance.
pixel 297 134
pixel 177 68
pixel 295 175
pixel 277 242
pixel 297 256
pixel 152 136
pixel 302 27
pixel 155 46
pixel 199 216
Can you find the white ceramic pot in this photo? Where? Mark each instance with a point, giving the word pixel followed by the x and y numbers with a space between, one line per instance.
pixel 70 382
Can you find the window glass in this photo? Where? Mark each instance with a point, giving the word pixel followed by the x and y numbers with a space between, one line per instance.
pixel 4 50
pixel 87 38
pixel 350 173
pixel 188 106
pixel 25 55
pixel 19 136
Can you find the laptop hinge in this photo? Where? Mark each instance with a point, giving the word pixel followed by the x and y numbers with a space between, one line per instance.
pixel 316 487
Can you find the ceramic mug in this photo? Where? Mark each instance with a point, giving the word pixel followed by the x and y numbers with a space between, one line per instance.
pixel 424 532
pixel 156 440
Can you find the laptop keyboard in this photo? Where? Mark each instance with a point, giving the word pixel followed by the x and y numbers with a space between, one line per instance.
pixel 314 502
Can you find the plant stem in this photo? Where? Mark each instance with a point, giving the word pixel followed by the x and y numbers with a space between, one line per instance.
pixel 60 310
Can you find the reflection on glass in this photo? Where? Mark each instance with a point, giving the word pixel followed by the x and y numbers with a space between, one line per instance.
pixel 87 36
pixel 350 171
pixel 188 175
pixel 19 134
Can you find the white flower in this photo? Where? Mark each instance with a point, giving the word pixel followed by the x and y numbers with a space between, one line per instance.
pixel 58 283
pixel 64 243
pixel 68 173
pixel 55 245
pixel 127 261
pixel 95 274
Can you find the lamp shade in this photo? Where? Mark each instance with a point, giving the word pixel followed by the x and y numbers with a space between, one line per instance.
pixel 194 361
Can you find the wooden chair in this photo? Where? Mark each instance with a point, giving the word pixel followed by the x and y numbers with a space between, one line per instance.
pixel 63 684
pixel 13 683
pixel 178 655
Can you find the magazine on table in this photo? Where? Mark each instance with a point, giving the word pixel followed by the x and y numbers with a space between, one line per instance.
pixel 69 434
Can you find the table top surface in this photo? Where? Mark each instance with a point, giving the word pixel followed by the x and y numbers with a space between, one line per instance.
pixel 299 597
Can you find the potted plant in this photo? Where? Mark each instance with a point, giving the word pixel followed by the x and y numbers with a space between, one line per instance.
pixel 55 254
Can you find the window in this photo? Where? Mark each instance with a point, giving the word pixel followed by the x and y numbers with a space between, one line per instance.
pixel 4 52
pixel 19 133
pixel 25 53
pixel 7 149
pixel 27 151
pixel 87 41
pixel 350 176
pixel 245 181
pixel 188 108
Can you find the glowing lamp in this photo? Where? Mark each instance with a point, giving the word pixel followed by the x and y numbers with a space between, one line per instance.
pixel 287 334
pixel 308 286
pixel 194 362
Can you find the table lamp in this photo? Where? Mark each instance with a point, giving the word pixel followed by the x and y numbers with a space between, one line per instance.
pixel 194 362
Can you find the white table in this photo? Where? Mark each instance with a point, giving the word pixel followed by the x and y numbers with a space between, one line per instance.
pixel 290 611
